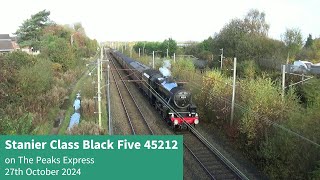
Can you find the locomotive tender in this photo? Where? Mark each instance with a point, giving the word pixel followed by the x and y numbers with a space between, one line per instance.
pixel 161 90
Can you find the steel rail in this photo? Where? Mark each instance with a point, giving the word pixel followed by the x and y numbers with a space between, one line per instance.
pixel 134 100
pixel 124 106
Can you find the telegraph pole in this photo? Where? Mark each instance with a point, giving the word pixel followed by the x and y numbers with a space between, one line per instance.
pixel 153 59
pixel 99 91
pixel 174 57
pixel 233 88
pixel 144 44
pixel 139 52
pixel 221 57
pixel 101 58
pixel 283 80
pixel 109 108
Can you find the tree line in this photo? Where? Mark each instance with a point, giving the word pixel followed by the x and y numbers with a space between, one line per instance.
pixel 247 39
pixel 159 47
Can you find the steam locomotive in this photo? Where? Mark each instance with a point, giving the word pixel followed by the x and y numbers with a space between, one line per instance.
pixel 161 90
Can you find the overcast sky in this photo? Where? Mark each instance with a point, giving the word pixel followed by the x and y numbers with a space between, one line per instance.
pixel 156 20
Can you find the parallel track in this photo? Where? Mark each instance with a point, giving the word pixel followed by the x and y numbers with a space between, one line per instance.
pixel 208 160
pixel 136 119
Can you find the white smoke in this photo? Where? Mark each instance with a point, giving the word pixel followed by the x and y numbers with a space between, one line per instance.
pixel 165 69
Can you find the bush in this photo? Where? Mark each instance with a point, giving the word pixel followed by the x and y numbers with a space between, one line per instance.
pixel 316 173
pixel 19 59
pixel 211 102
pixel 88 108
pixel 247 69
pixel 57 67
pixel 36 79
pixel 19 126
pixel 183 69
pixel 310 92
pixel 262 99
pixel 58 50
pixel 87 128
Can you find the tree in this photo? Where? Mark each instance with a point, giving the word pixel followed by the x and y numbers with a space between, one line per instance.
pixel 292 38
pixel 309 41
pixel 169 44
pixel 29 32
pixel 238 37
pixel 79 28
pixel 58 50
pixel 229 38
pixel 311 53
pixel 255 23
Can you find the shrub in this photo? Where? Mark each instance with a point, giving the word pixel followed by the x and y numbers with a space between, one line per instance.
pixel 20 126
pixel 87 128
pixel 263 101
pixel 19 59
pixel 310 92
pixel 58 50
pixel 183 69
pixel 247 69
pixel 211 100
pixel 57 67
pixel 36 79
pixel 88 108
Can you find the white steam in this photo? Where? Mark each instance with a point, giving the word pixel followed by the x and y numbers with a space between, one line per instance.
pixel 165 69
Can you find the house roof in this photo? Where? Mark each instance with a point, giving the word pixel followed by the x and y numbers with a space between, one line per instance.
pixel 5 36
pixel 6 45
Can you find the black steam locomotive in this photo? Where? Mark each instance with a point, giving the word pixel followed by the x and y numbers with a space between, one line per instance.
pixel 161 90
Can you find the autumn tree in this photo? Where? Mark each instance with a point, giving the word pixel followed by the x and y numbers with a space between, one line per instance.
pixel 292 38
pixel 30 31
pixel 255 23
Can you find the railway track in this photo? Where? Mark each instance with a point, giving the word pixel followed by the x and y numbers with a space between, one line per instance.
pixel 208 160
pixel 136 120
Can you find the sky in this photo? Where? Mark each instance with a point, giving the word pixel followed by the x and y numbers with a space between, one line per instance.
pixel 156 20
